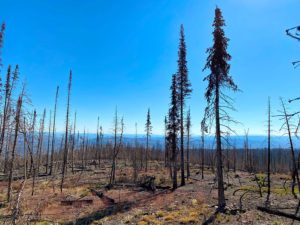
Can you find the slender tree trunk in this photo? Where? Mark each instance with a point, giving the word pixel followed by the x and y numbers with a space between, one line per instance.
pixel 174 160
pixel 147 151
pixel 25 153
pixel 66 135
pixel 40 144
pixel 202 162
pixel 188 154
pixel 113 168
pixel 53 133
pixel 18 112
pixel 48 145
pixel 5 110
pixel 8 144
pixel 234 160
pixel 221 195
pixel 82 150
pixel 181 141
pixel 73 145
pixel 33 165
pixel 269 153
pixel 295 170
pixel 97 144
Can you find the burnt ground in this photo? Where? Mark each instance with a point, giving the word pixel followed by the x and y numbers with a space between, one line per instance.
pixel 193 203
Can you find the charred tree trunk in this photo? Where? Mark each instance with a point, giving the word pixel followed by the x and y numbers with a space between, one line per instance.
pixel 221 195
pixel 188 130
pixel 33 164
pixel 53 133
pixel 48 145
pixel 17 121
pixel 294 170
pixel 65 157
pixel 73 145
pixel 40 143
pixel 269 153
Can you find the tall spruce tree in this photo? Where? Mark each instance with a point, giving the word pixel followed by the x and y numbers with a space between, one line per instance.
pixel 184 90
pixel 173 127
pixel 217 63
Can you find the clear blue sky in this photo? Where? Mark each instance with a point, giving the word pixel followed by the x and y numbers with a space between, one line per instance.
pixel 124 52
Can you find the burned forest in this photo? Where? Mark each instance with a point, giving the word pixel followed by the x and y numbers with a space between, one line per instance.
pixel 168 149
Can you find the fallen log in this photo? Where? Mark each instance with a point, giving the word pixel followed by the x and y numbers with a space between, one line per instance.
pixel 140 185
pixel 278 213
pixel 163 187
pixel 76 202
pixel 106 200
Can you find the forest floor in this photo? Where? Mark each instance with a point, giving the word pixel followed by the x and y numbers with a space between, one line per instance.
pixel 193 203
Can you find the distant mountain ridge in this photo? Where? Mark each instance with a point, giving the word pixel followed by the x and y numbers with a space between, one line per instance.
pixel 254 141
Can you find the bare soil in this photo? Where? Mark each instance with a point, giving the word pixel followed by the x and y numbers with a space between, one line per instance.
pixel 193 203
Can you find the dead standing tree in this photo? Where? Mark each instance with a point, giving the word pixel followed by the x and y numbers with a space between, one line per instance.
pixel 65 154
pixel 48 145
pixel 134 158
pixel 202 148
pixel 17 125
pixel 287 127
pixel 117 146
pixel 53 134
pixel 73 144
pixel 188 133
pixel 217 62
pixel 184 91
pixel 98 155
pixel 148 129
pixel 9 87
pixel 33 164
pixel 269 153
pixel 40 141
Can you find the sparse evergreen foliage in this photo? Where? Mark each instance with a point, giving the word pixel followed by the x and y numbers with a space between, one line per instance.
pixel 184 91
pixel 1 41
pixel 217 63
pixel 173 128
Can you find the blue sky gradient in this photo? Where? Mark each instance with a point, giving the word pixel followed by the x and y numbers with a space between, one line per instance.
pixel 123 54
